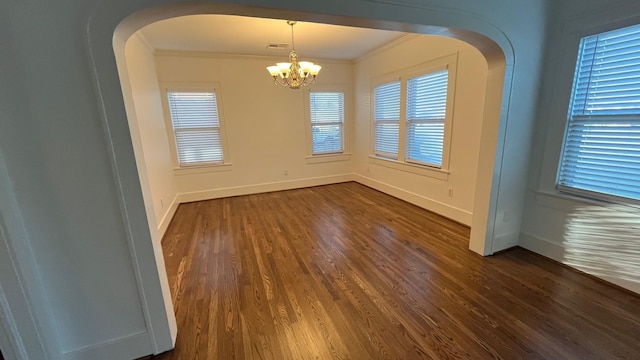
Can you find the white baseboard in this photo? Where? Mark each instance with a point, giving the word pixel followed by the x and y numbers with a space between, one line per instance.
pixel 445 210
pixel 504 242
pixel 448 211
pixel 556 252
pixel 130 347
pixel 541 246
pixel 262 188
pixel 168 216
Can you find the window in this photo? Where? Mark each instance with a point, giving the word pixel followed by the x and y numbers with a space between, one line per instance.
pixel 196 126
pixel 386 119
pixel 326 110
pixel 412 115
pixel 601 153
pixel 327 121
pixel 426 111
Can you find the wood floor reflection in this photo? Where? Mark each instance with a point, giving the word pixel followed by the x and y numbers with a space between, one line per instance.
pixel 346 272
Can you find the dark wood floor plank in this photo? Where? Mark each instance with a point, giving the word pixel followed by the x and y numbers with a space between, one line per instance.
pixel 593 314
pixel 346 272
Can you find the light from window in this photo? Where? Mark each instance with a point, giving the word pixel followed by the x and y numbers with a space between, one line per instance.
pixel 196 126
pixel 601 153
pixel 386 119
pixel 426 112
pixel 327 122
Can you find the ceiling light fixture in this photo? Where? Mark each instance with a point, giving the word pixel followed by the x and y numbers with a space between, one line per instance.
pixel 294 74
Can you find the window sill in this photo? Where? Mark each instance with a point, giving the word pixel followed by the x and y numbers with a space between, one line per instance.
pixel 202 169
pixel 567 202
pixel 411 168
pixel 317 159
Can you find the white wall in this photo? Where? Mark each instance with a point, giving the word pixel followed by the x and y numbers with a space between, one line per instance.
pixel 60 170
pixel 141 95
pixel 597 238
pixel 149 137
pixel 265 125
pixel 426 190
pixel 21 314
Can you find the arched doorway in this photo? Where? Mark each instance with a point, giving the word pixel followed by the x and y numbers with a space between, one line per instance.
pixel 113 23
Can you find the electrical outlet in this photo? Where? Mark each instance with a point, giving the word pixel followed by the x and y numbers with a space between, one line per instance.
pixel 450 193
pixel 286 172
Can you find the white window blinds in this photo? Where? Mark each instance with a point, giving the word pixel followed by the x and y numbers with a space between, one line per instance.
pixel 327 122
pixel 196 126
pixel 602 145
pixel 386 119
pixel 426 112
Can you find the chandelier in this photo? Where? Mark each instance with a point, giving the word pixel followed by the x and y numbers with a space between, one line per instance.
pixel 294 74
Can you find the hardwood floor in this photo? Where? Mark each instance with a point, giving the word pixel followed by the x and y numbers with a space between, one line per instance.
pixel 346 272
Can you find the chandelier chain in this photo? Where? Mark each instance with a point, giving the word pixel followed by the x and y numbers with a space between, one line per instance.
pixel 293 42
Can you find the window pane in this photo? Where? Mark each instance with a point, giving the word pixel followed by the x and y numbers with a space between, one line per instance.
pixel 386 115
pixel 425 142
pixel 190 109
pixel 326 107
pixel 386 141
pixel 387 102
pixel 426 112
pixel 601 152
pixel 607 78
pixel 602 155
pixel 196 125
pixel 327 118
pixel 326 138
pixel 198 146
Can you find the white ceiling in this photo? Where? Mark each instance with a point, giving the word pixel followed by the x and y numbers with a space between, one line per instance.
pixel 228 34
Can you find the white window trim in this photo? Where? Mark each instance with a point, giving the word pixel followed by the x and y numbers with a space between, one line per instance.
pixel 413 168
pixel 448 62
pixel 345 154
pixel 200 169
pixel 325 158
pixel 215 87
pixel 568 201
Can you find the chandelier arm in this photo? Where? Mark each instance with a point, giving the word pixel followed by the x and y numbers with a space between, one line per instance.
pixel 279 81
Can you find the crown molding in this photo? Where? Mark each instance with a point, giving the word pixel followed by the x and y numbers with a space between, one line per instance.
pixel 271 58
pixel 390 45
pixel 145 42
